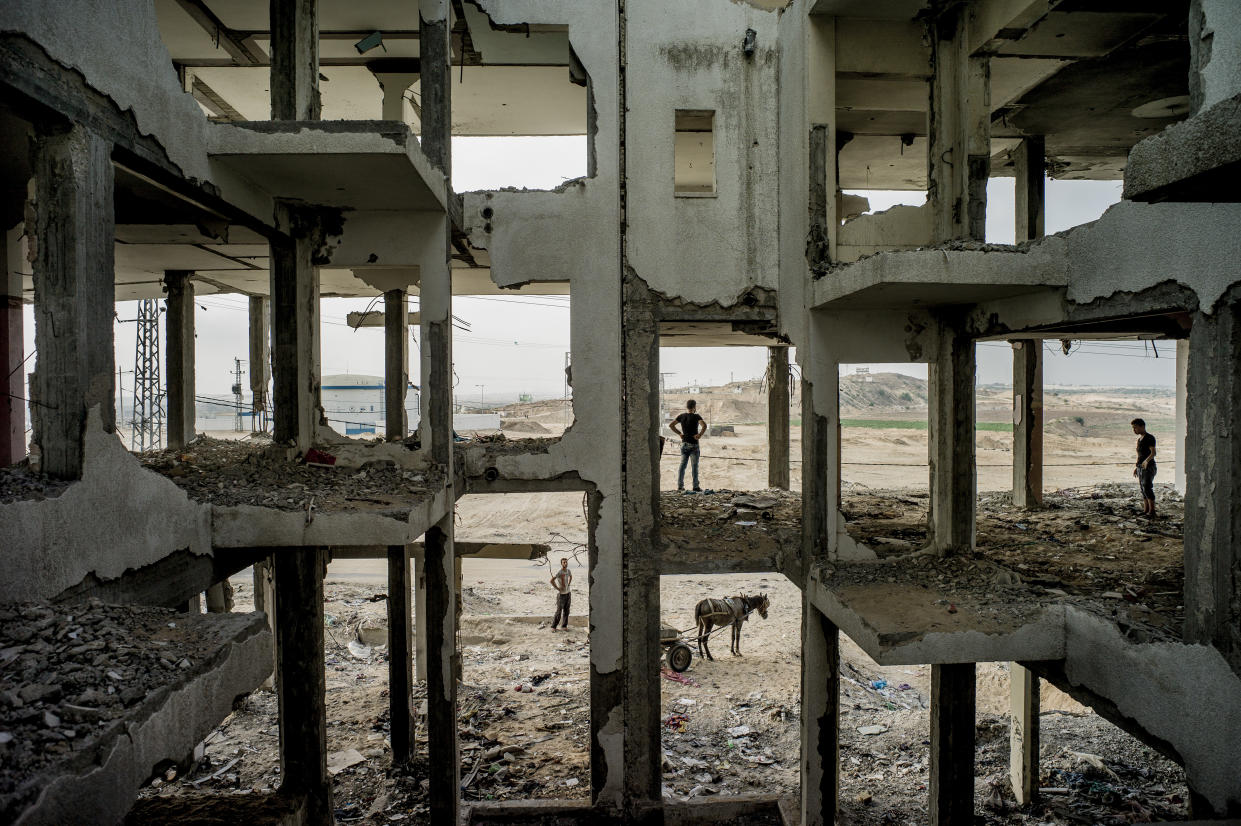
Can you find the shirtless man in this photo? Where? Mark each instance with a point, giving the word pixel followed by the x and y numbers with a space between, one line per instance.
pixel 561 581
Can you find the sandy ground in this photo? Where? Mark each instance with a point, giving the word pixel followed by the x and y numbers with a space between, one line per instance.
pixel 733 726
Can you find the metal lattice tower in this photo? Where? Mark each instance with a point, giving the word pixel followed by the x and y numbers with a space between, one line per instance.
pixel 148 410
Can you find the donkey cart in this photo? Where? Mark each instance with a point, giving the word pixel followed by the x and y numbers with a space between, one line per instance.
pixel 679 653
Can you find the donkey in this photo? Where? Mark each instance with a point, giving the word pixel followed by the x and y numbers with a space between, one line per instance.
pixel 712 612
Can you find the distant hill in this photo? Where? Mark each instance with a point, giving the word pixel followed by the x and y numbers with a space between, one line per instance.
pixel 863 392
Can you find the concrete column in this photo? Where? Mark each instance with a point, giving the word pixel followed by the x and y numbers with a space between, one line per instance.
pixel 179 356
pixel 396 364
pixel 260 361
pixel 1029 161
pixel 220 598
pixel 400 651
pixel 820 718
pixel 73 277
pixel 420 617
pixel 1213 483
pixel 951 419
pixel 435 321
pixel 294 59
pixel 1027 423
pixel 301 680
pixel 436 68
pixel 1023 734
pixel 960 129
pixel 606 691
pixel 445 761
pixel 12 355
pixel 778 417
pixel 1182 375
pixel 265 601
pixel 295 331
pixel 1214 52
pixel 638 597
pixel 952 744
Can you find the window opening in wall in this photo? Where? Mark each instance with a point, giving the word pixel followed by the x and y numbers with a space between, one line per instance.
pixel 693 168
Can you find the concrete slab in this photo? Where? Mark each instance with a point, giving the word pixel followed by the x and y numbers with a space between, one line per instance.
pixel 109 761
pixel 962 274
pixel 364 165
pixel 1196 160
pixel 898 618
pixel 709 534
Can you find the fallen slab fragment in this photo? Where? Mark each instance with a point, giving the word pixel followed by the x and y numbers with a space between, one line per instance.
pixel 93 697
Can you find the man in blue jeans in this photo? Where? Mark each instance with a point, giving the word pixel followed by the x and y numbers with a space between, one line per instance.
pixel 690 427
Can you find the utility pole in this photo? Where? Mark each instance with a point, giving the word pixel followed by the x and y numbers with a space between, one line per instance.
pixel 566 389
pixel 148 408
pixel 481 388
pixel 237 371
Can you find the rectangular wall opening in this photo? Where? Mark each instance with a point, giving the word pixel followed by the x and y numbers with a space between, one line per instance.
pixel 693 168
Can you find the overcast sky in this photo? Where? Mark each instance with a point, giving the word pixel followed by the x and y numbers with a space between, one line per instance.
pixel 510 351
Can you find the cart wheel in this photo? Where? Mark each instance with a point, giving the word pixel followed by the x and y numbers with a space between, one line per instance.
pixel 679 657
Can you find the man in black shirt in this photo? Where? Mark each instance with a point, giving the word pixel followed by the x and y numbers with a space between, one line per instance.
pixel 1145 468
pixel 689 426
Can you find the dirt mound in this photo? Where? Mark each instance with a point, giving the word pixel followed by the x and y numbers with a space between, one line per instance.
pixel 866 391
pixel 732 410
pixel 1070 426
pixel 522 426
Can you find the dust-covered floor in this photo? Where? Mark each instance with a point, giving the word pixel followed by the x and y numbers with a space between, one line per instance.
pixel 731 727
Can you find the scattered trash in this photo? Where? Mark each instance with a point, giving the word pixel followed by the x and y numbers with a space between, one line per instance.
pixel 357 649
pixel 678 678
pixel 315 456
pixel 738 731
pixel 677 722
pixel 879 684
pixel 870 731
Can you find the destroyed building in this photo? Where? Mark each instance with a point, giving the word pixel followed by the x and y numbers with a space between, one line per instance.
pixel 177 148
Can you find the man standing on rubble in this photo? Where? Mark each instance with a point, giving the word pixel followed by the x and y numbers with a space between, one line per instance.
pixel 1145 468
pixel 561 581
pixel 692 426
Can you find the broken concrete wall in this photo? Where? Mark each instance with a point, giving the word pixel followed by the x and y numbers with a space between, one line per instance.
pixel 120 517
pixel 122 56
pixel 573 234
pixel 1185 695
pixel 901 227
pixel 703 248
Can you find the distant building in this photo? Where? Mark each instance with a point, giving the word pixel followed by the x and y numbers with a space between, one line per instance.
pixel 354 403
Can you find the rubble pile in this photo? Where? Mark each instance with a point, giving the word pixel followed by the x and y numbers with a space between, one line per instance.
pixel 763 523
pixel 20 483
pixel 1087 545
pixel 230 473
pixel 70 673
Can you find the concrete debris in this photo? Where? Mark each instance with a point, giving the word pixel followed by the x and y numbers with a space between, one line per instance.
pixel 230 473
pixel 19 483
pixel 338 761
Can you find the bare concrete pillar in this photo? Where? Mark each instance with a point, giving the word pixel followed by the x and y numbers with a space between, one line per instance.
pixel 301 680
pixel 420 617
pixel 820 718
pixel 179 358
pixel 220 598
pixel 260 361
pixel 73 277
pixel 778 417
pixel 638 600
pixel 951 419
pixel 960 129
pixel 445 762
pixel 1027 423
pixel 12 356
pixel 1023 733
pixel 265 601
pixel 436 68
pixel 1182 376
pixel 400 654
pixel 952 744
pixel 1029 161
pixel 1213 483
pixel 295 330
pixel 1215 52
pixel 294 59
pixel 396 364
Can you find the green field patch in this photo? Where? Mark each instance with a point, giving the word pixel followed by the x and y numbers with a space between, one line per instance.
pixel 916 424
